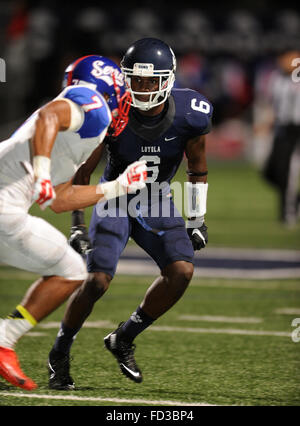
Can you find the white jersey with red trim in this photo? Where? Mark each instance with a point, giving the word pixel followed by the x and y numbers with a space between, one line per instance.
pixel 70 150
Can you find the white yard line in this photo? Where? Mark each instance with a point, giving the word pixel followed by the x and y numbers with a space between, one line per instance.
pixel 222 331
pixel 287 311
pixel 99 324
pixel 218 318
pixel 98 399
pixel 87 324
pixel 35 334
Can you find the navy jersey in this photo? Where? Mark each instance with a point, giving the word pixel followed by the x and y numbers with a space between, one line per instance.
pixel 162 144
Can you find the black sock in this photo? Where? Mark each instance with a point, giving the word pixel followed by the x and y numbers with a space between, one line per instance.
pixel 64 339
pixel 137 323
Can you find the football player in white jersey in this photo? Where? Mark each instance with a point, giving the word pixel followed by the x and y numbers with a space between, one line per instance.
pixel 37 164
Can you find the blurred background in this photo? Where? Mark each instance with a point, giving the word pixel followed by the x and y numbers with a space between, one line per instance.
pixel 227 52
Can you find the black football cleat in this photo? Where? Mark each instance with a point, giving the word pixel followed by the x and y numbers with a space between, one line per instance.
pixel 59 373
pixel 123 351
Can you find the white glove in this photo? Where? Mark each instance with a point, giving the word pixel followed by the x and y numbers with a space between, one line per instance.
pixel 134 177
pixel 43 193
pixel 131 180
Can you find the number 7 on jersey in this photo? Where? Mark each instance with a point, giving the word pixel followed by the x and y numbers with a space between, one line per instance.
pixel 97 103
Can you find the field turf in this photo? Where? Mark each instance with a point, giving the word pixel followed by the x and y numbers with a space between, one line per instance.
pixel 201 360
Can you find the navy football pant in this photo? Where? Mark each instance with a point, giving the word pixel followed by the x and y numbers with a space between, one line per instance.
pixel 164 238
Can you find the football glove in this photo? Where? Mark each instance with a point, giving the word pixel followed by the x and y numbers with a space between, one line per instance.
pixel 43 193
pixel 197 233
pixel 79 240
pixel 131 180
pixel 134 177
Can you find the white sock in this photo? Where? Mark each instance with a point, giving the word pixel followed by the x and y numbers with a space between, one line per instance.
pixel 15 326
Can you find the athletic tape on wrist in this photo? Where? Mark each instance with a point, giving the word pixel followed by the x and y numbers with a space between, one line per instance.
pixel 111 189
pixel 41 166
pixel 195 198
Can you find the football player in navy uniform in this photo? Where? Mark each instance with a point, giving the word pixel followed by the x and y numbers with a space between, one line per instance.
pixel 37 164
pixel 164 124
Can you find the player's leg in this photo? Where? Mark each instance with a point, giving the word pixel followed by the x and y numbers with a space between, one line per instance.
pixel 81 303
pixel 173 253
pixel 109 236
pixel 164 292
pixel 167 289
pixel 32 244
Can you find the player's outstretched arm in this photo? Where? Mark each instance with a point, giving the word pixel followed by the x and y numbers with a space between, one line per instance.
pixel 52 118
pixel 73 197
pixel 196 191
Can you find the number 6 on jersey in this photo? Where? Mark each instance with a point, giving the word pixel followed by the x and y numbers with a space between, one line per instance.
pixel 202 107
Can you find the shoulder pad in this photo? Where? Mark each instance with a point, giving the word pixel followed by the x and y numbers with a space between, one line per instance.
pixel 197 110
pixel 97 114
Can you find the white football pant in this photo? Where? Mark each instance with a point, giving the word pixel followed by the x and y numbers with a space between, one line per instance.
pixel 32 244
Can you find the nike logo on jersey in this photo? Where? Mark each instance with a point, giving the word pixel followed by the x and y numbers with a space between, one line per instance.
pixel 170 139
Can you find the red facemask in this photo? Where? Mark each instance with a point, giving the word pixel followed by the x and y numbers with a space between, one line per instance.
pixel 120 115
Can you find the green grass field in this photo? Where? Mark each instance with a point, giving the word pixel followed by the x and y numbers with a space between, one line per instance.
pixel 223 343
pixel 197 362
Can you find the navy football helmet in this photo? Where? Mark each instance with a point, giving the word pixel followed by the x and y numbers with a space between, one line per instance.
pixel 150 57
pixel 102 74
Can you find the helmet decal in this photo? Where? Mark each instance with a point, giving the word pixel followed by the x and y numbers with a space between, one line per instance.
pixel 102 74
pixel 105 72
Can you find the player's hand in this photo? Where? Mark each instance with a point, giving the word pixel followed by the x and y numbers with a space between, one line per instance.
pixel 43 192
pixel 79 239
pixel 198 235
pixel 134 177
